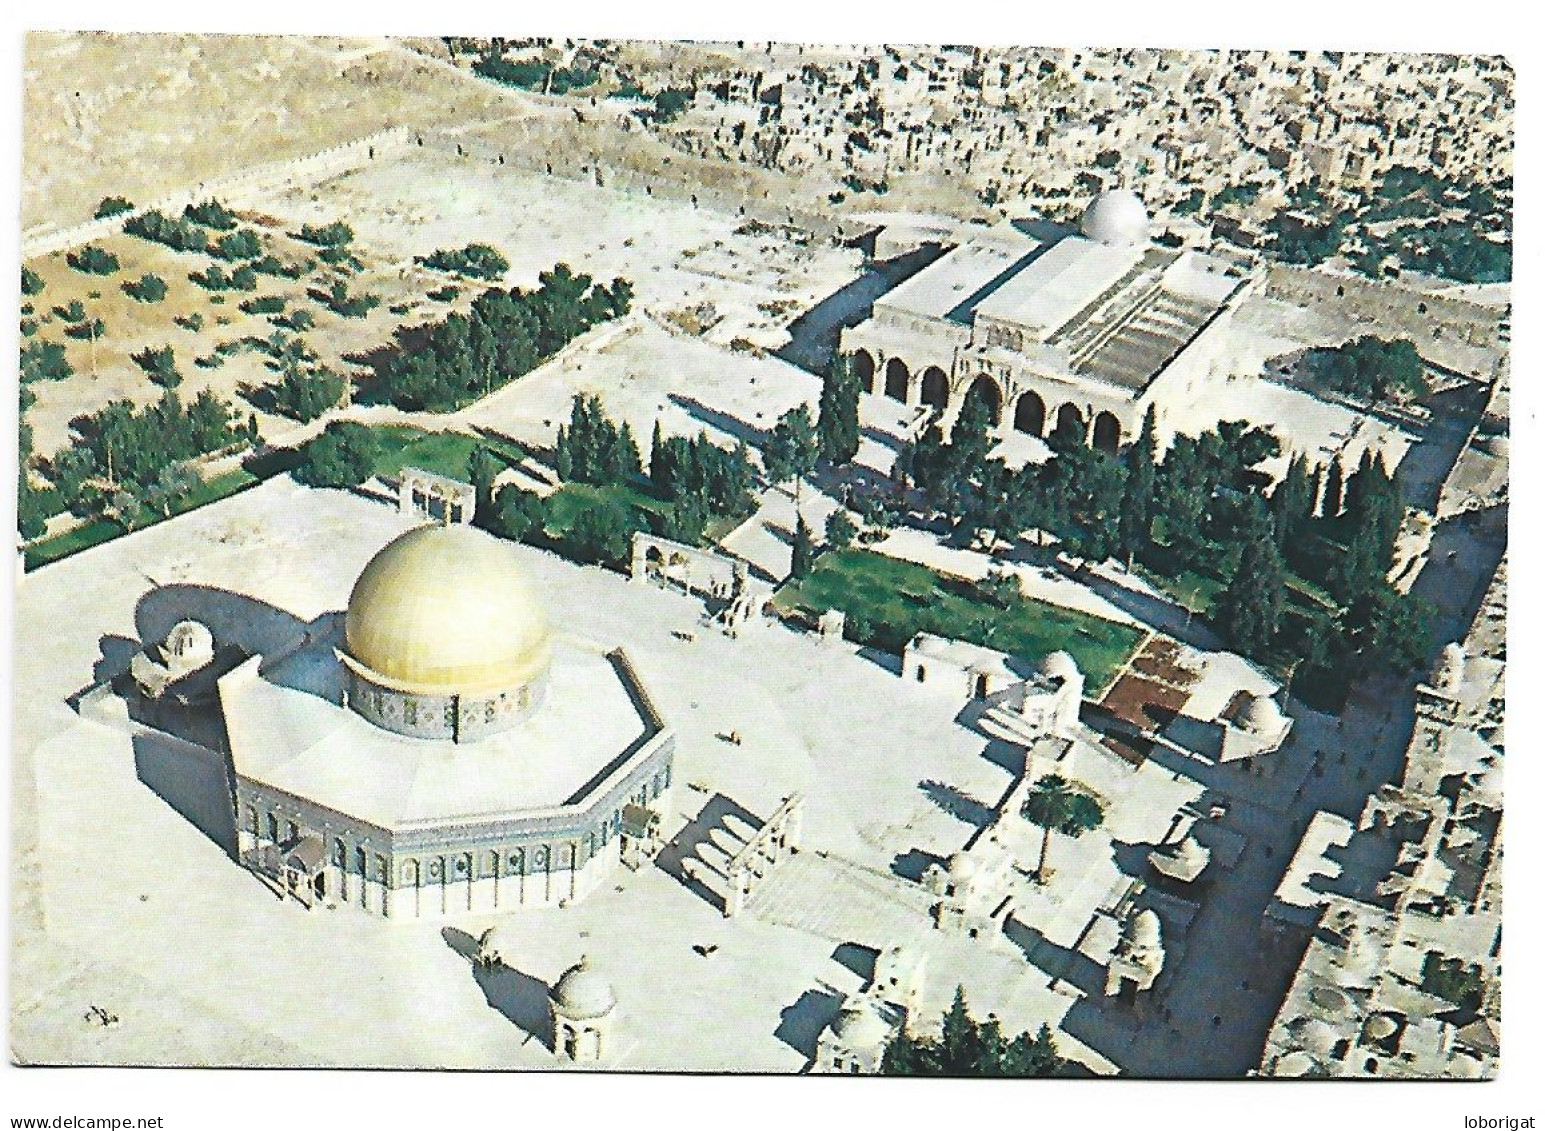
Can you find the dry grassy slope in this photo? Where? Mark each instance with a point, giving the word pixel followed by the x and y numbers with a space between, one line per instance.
pixel 143 115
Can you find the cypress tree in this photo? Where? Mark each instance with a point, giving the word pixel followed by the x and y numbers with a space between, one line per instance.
pixel 656 443
pixel 837 430
pixel 1135 521
pixel 804 552
pixel 1333 490
pixel 1292 502
pixel 1250 609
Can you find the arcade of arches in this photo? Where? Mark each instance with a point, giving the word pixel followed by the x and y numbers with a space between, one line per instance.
pixel 1031 413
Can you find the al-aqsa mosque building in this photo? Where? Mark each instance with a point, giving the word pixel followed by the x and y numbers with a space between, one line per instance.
pixel 438 748
pixel 1082 329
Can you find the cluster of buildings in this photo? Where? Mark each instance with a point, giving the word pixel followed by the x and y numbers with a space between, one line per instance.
pixel 1402 909
pixel 439 750
pixel 1049 126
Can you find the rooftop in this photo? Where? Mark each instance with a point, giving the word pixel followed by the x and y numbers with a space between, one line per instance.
pixel 1054 287
pixel 949 287
pixel 289 731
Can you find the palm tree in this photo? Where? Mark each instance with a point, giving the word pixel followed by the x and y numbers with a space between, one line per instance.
pixel 1057 806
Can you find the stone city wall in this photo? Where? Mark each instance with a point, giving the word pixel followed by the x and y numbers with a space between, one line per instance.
pixel 1388 306
pixel 530 150
pixel 274 177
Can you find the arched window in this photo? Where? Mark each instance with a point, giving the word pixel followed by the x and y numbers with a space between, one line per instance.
pixel 1070 429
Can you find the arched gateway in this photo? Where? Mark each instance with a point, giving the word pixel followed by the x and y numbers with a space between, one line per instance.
pixel 1030 414
pixel 936 387
pixel 863 366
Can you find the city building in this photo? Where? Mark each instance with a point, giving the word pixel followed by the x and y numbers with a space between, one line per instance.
pixel 1082 331
pixel 435 750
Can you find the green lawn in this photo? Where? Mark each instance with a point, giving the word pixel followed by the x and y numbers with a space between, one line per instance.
pixel 1189 589
pixel 444 453
pixel 566 504
pixel 898 599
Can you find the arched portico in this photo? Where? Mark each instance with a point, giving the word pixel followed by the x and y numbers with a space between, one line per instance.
pixel 1107 433
pixel 1030 414
pixel 896 379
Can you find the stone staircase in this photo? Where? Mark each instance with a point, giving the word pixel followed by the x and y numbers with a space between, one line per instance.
pixel 829 897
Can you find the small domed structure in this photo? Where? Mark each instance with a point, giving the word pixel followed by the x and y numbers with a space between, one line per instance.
pixel 583 1008
pixel 1332 1000
pixel 1116 219
pixel 1380 1027
pixel 582 994
pixel 1262 715
pixel 1296 1064
pixel 1449 672
pixel 1059 665
pixel 1315 1035
pixel 962 868
pixel 860 1027
pixel 1138 958
pixel 188 646
pixel 1143 928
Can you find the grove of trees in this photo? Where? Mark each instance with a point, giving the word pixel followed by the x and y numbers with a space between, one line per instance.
pixel 147 288
pixel 1372 368
pixel 475 261
pixel 697 480
pixel 113 206
pixel 179 235
pixel 160 365
pixel 305 392
pixel 506 334
pixel 1299 571
pixel 125 460
pixel 971 1048
pixel 344 455
pixel 93 260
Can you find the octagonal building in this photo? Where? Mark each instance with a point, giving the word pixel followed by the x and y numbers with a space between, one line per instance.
pixel 437 749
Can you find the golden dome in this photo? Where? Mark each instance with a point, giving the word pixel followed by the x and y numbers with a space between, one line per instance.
pixel 446 609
